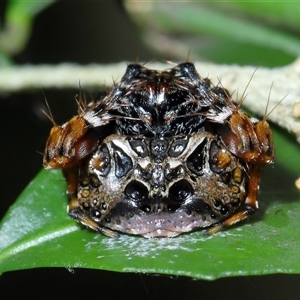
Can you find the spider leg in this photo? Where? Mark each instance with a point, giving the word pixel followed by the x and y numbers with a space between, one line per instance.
pixel 74 210
pixel 249 207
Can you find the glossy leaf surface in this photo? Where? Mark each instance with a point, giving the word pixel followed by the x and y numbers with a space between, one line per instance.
pixel 37 232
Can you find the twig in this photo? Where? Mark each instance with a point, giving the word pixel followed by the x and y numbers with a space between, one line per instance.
pixel 286 83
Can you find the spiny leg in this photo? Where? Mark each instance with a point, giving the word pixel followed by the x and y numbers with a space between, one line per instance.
pixel 74 210
pixel 249 207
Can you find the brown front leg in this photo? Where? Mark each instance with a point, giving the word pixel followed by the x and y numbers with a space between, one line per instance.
pixel 74 210
pixel 248 208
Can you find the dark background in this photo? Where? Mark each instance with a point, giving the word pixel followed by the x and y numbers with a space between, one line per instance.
pixel 84 33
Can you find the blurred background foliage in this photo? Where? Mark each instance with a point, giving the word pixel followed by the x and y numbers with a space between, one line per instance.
pixel 242 32
pixel 16 26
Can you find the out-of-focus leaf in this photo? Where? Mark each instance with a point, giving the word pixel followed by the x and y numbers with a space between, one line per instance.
pixel 280 13
pixel 18 19
pixel 214 29
pixel 25 10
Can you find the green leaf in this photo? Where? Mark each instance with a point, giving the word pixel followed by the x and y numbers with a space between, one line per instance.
pixel 19 16
pixel 37 232
pixel 276 13
pixel 208 21
pixel 21 10
pixel 247 32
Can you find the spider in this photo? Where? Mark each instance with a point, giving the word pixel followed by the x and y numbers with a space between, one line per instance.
pixel 160 154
